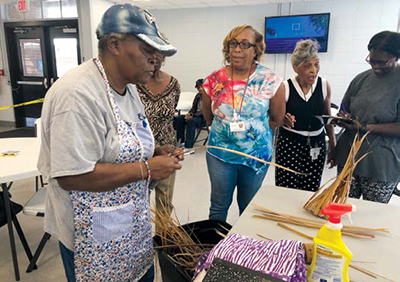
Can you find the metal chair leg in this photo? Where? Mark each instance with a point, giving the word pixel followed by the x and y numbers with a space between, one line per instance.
pixel 197 135
pixel 10 229
pixel 22 238
pixel 38 251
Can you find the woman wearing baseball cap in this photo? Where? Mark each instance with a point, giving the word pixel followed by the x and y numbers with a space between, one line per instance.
pixel 98 153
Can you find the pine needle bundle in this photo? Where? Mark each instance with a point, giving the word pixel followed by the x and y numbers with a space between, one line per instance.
pixel 180 246
pixel 338 190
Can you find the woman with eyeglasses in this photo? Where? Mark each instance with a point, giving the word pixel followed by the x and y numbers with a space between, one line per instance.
pixel 243 101
pixel 373 102
pixel 301 140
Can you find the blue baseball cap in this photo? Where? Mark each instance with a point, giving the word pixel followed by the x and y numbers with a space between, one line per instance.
pixel 137 21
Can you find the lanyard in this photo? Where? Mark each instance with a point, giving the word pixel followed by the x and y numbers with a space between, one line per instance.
pixel 237 116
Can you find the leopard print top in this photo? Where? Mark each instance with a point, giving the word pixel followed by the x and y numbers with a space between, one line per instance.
pixel 160 110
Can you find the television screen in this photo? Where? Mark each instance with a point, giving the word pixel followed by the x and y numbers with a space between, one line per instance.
pixel 282 33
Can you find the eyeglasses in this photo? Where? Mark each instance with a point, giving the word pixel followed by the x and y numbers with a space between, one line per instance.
pixel 243 45
pixel 378 63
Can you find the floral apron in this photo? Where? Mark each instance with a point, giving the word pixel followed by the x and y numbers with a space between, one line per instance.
pixel 113 240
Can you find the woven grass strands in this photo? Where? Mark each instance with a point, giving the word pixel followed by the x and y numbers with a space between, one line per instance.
pixel 338 191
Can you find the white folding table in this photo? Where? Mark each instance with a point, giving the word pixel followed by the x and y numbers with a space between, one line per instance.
pixel 22 166
pixel 380 255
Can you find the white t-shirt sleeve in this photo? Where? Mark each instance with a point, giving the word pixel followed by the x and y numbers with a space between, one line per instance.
pixel 76 144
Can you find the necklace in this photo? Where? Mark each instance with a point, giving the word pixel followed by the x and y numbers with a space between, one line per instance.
pixel 236 116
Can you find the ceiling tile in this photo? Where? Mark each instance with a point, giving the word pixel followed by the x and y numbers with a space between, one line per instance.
pixel 252 2
pixel 219 3
pixel 178 4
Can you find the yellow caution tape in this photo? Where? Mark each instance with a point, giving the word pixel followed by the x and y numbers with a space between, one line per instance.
pixel 23 104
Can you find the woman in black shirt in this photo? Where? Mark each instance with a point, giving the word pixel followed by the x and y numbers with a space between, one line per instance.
pixel 301 140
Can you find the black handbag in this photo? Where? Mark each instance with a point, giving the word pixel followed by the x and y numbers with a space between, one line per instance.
pixel 15 207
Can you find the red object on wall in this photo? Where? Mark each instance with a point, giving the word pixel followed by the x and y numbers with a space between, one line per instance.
pixel 22 6
pixel 1 72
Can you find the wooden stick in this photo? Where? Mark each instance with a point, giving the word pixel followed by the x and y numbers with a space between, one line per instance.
pixel 266 238
pixel 244 155
pixel 294 231
pixel 183 245
pixel 360 261
pixel 370 273
pixel 347 233
pixel 220 234
pixel 269 213
pixel 363 270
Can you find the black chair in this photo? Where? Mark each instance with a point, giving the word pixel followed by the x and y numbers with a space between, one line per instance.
pixel 199 130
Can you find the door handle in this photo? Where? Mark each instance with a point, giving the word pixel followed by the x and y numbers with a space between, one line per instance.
pixel 29 83
pixel 45 83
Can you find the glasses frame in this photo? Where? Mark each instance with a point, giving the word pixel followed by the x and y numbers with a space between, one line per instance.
pixel 373 63
pixel 240 44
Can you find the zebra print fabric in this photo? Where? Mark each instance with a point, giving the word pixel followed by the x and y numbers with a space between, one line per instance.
pixel 283 259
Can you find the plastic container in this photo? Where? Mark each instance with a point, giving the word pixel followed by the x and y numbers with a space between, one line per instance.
pixel 331 257
pixel 202 232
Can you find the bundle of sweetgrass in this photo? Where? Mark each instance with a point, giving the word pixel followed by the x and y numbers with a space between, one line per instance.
pixel 338 190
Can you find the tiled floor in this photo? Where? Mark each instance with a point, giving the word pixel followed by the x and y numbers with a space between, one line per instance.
pixel 191 200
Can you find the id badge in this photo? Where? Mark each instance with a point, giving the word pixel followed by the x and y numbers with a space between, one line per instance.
pixel 314 153
pixel 237 126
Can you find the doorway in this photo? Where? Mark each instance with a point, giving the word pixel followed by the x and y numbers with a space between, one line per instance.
pixel 38 54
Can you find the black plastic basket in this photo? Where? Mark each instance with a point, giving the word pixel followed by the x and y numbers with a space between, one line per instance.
pixel 202 232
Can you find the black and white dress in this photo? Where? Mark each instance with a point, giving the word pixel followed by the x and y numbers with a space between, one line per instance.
pixel 302 148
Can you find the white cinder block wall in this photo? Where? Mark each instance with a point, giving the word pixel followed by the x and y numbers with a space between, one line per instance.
pixel 198 35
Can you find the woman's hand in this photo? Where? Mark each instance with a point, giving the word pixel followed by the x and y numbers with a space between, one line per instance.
pixel 330 160
pixel 163 166
pixel 289 120
pixel 166 150
pixel 163 150
pixel 354 125
pixel 188 116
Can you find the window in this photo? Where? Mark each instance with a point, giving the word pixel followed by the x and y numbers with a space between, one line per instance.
pixel 31 57
pixel 41 9
pixel 66 54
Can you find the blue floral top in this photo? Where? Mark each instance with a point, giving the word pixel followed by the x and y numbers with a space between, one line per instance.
pixel 256 140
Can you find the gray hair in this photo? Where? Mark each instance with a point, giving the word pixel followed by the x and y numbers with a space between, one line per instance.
pixel 304 50
pixel 102 44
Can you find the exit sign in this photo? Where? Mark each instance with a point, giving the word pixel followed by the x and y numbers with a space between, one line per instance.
pixel 23 6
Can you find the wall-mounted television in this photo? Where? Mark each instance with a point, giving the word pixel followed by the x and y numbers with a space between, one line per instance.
pixel 282 33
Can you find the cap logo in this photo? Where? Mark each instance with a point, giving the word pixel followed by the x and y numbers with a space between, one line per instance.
pixel 149 17
pixel 151 20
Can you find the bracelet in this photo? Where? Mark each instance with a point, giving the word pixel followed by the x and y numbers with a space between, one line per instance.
pixel 141 170
pixel 148 171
